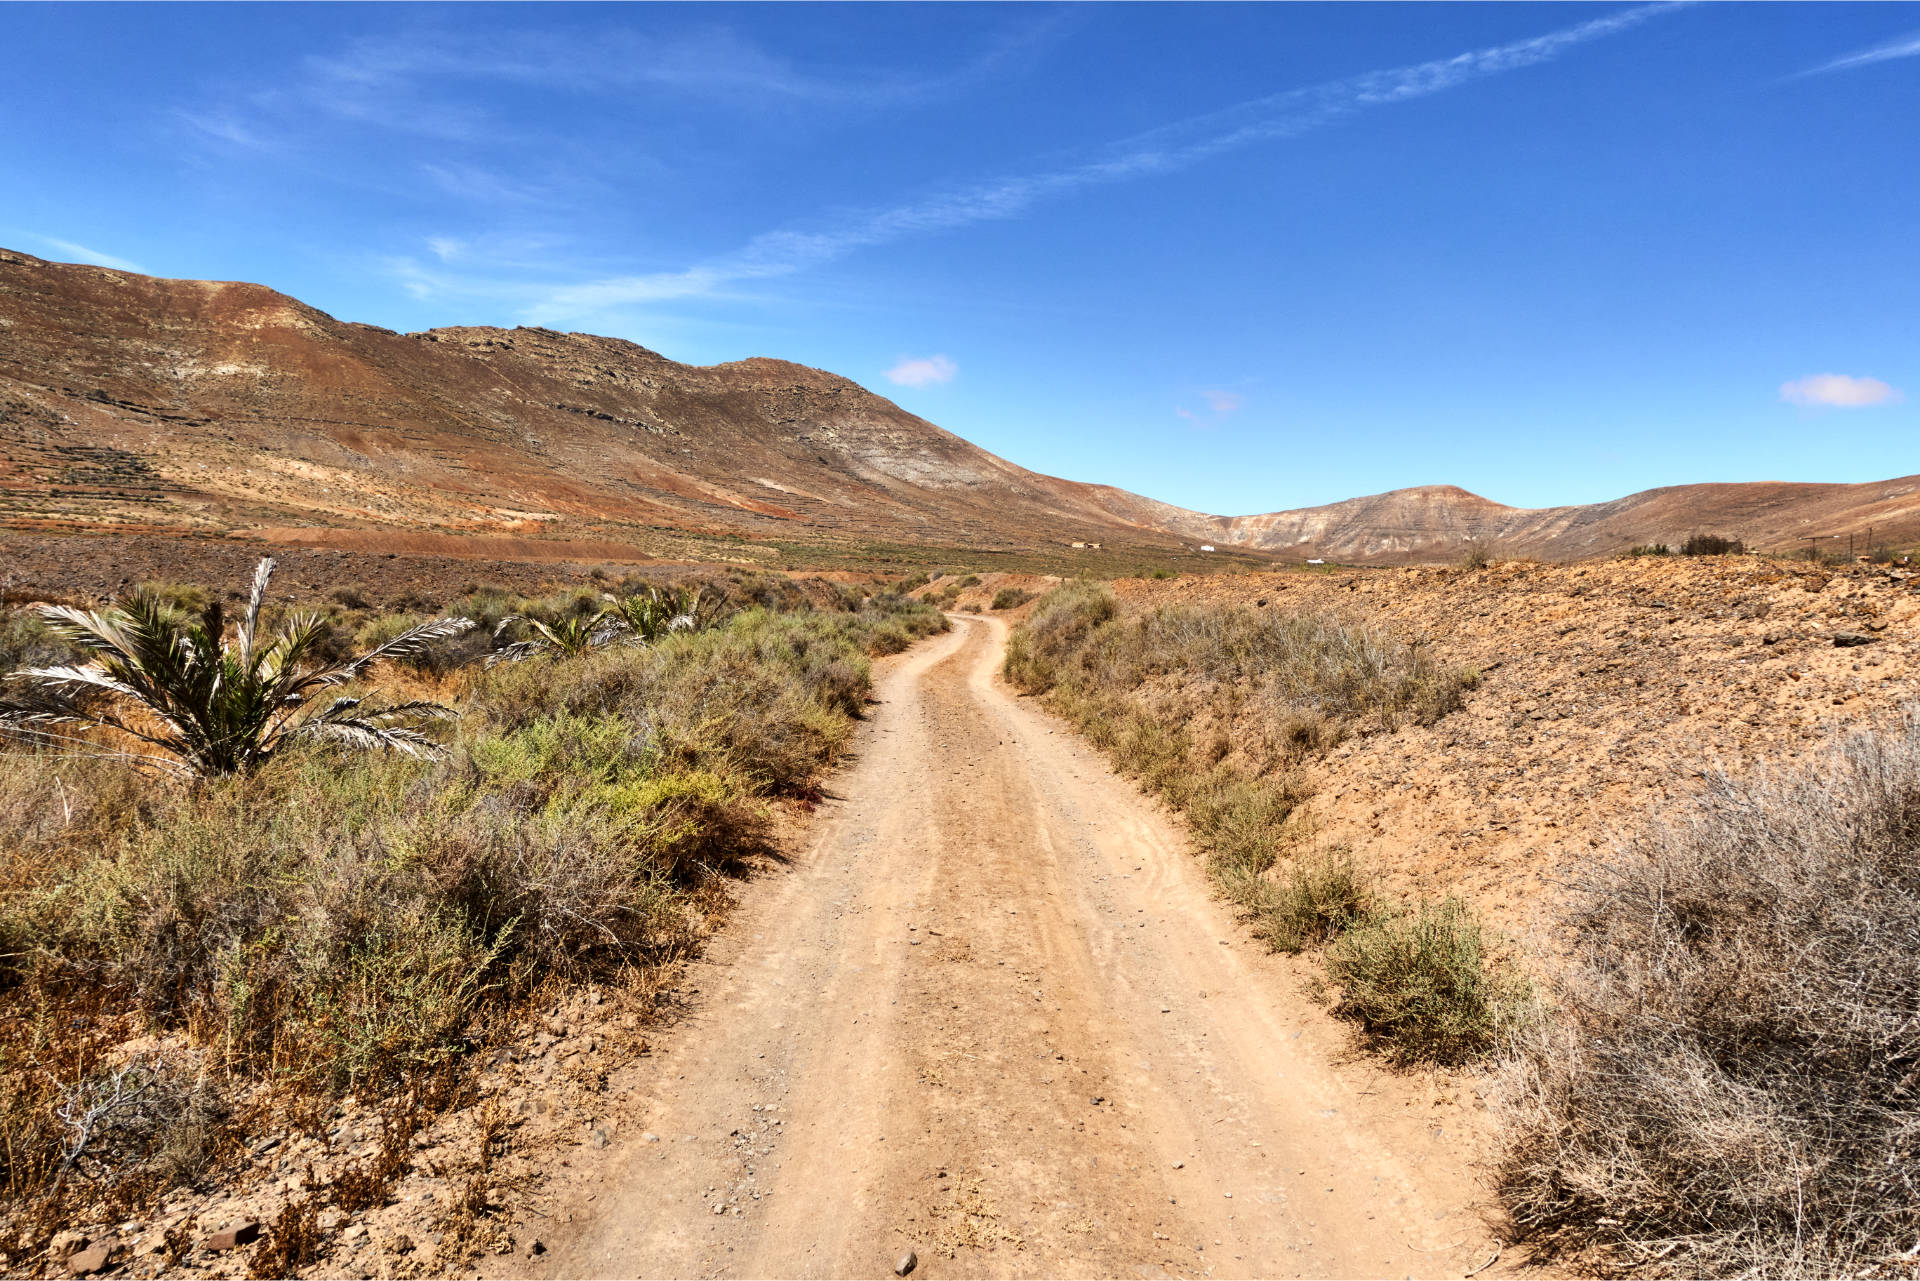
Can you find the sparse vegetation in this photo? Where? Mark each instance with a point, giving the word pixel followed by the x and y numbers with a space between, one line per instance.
pixel 1318 900
pixel 1213 709
pixel 1011 598
pixel 1421 983
pixel 1732 1089
pixel 312 924
pixel 174 690
pixel 1712 545
pixel 1476 556
pixel 1649 549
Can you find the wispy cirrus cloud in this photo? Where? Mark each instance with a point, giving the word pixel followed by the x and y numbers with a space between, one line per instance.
pixel 1222 402
pixel 1838 391
pixel 445 84
pixel 1904 47
pixel 1161 151
pixel 922 371
pixel 81 253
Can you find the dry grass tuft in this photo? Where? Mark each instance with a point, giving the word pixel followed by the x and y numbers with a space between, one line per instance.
pixel 1422 985
pixel 1735 1087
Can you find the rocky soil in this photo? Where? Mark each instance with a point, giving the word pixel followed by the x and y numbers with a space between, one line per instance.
pixel 1608 689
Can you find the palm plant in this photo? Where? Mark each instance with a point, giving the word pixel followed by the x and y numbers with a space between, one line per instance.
pixel 210 704
pixel 647 616
pixel 567 637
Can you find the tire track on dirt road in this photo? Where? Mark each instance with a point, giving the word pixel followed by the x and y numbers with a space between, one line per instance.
pixel 992 1014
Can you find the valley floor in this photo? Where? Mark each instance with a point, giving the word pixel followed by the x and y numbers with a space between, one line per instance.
pixel 991 1014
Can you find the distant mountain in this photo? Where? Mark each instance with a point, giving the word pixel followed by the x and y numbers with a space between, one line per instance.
pixel 134 403
pixel 1442 521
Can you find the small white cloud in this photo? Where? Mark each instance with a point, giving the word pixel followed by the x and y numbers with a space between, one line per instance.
pixel 1184 412
pixel 1838 391
pixel 445 248
pixel 1221 402
pixel 84 254
pixel 922 371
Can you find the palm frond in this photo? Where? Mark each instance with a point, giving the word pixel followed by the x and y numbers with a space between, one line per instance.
pixel 173 682
pixel 250 622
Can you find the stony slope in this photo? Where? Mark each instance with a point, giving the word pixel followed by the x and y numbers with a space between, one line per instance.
pixel 1440 521
pixel 132 403
pixel 196 406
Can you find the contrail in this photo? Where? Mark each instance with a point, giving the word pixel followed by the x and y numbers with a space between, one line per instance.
pixel 1905 47
pixel 1160 151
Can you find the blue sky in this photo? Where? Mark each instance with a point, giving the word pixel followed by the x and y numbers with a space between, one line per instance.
pixel 1240 258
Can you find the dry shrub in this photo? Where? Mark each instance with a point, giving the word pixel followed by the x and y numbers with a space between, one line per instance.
pixel 1302 670
pixel 1011 598
pixel 1735 1087
pixel 1423 985
pixel 327 923
pixel 1420 983
pixel 1317 900
pixel 292 1242
pixel 1712 545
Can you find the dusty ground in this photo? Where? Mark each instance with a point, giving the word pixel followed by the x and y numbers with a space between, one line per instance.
pixel 98 568
pixel 992 1015
pixel 1608 688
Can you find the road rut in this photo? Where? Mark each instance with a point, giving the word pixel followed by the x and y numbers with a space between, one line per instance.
pixel 992 1014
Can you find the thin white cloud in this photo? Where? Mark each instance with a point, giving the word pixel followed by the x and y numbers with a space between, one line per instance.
pixel 435 81
pixel 1221 402
pixel 922 371
pixel 1838 391
pixel 1905 47
pixel 1161 151
pixel 83 254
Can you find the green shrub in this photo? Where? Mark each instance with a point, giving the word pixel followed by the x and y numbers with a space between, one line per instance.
pixel 366 923
pixel 1318 900
pixel 1712 545
pixel 162 688
pixel 1011 598
pixel 1649 549
pixel 1421 984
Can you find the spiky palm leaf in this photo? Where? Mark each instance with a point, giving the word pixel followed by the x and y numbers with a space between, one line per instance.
pixel 567 637
pixel 172 681
pixel 654 613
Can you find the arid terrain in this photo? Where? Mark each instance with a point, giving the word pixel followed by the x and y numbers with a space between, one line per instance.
pixel 1608 688
pixel 135 404
pixel 843 948
pixel 985 1007
pixel 987 1012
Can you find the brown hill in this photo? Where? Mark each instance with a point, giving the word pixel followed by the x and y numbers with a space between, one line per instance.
pixel 136 404
pixel 1441 521
pixel 140 404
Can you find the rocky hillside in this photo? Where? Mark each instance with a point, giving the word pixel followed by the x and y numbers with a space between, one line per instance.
pixel 1607 689
pixel 134 403
pixel 1440 522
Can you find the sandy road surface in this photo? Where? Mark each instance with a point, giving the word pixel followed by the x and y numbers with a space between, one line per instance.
pixel 991 1014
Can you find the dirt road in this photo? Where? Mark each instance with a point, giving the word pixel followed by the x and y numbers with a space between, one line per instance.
pixel 992 1015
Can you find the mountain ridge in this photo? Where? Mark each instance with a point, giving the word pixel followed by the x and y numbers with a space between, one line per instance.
pixel 144 404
